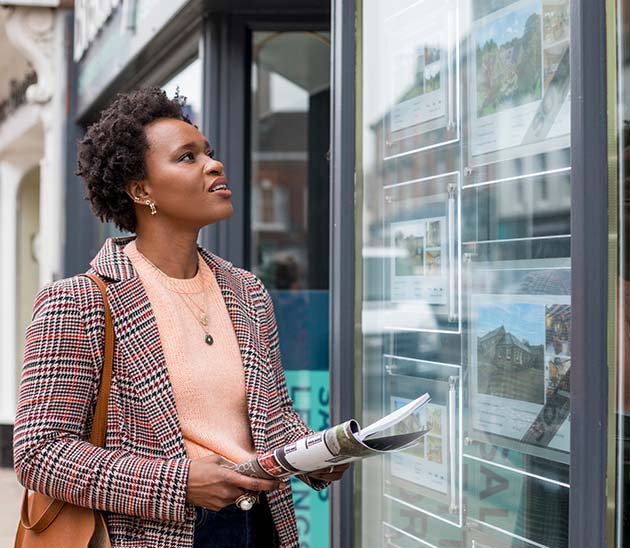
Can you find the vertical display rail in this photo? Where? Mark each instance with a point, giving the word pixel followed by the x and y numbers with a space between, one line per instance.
pixel 453 448
pixel 452 300
pixel 451 80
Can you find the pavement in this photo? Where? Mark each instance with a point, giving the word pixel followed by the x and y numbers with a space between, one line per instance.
pixel 10 499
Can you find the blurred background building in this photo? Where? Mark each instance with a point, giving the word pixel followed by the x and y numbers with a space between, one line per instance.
pixel 34 45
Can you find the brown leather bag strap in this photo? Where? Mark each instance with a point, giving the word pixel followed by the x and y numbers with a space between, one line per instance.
pixel 45 519
pixel 99 425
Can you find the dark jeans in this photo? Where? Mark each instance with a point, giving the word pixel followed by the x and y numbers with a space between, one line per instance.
pixel 231 527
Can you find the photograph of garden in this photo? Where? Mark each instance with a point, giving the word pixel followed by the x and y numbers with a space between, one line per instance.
pixel 508 60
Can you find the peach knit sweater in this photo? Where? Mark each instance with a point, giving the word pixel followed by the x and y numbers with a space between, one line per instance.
pixel 208 381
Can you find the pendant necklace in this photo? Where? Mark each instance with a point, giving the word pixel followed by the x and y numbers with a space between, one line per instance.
pixel 202 317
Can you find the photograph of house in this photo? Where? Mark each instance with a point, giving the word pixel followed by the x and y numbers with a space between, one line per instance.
pixel 510 356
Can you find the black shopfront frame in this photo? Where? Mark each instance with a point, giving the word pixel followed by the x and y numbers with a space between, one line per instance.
pixel 589 251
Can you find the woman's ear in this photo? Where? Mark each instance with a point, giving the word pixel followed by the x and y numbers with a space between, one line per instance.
pixel 136 191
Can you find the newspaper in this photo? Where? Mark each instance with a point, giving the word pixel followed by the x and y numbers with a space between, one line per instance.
pixel 343 443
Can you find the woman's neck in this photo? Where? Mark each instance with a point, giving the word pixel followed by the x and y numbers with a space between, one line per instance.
pixel 173 254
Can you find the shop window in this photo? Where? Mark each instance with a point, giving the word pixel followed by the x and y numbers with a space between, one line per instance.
pixel 464 127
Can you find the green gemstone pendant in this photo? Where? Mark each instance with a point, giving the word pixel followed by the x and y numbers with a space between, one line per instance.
pixel 209 340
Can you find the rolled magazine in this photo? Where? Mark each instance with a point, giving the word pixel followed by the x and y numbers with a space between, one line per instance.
pixel 346 442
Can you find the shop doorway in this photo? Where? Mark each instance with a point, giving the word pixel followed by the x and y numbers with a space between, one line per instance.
pixel 289 127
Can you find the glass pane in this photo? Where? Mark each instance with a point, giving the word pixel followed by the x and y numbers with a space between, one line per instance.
pixel 290 111
pixel 623 304
pixel 465 252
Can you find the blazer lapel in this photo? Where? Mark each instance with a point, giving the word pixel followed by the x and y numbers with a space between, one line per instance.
pixel 138 340
pixel 246 326
pixel 137 337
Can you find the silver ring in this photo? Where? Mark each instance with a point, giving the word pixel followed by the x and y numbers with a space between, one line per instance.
pixel 246 501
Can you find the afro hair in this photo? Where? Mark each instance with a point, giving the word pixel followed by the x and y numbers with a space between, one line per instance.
pixel 112 153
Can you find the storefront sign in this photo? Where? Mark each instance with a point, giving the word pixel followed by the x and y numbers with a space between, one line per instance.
pixel 109 35
pixel 309 392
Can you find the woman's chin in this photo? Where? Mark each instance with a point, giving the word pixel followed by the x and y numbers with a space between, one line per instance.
pixel 221 215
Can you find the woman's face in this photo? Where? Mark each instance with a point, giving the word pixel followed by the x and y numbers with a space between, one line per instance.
pixel 184 181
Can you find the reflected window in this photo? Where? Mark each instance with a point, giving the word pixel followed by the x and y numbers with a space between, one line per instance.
pixel 188 82
pixel 289 167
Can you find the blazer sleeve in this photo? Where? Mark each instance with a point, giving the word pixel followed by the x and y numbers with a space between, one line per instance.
pixel 55 407
pixel 296 428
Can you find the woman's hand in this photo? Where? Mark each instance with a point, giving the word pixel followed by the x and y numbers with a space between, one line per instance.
pixel 213 485
pixel 333 473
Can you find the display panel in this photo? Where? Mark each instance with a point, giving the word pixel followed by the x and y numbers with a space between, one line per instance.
pixel 422 50
pixel 464 253
pixel 428 476
pixel 518 91
pixel 519 366
pixel 421 230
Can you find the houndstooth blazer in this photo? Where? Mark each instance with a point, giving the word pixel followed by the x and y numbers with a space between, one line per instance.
pixel 139 478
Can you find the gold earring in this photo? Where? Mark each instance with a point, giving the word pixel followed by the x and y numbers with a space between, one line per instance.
pixel 152 206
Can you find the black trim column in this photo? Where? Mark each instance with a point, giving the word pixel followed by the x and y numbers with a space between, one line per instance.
pixel 225 90
pixel 589 252
pixel 342 258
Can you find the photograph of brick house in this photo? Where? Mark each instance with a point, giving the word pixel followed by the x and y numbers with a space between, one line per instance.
pixel 510 357
pixel 508 350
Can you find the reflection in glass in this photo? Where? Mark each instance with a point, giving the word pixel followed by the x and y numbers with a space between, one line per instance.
pixel 188 83
pixel 289 169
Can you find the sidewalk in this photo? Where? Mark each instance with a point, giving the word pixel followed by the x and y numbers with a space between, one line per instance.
pixel 10 498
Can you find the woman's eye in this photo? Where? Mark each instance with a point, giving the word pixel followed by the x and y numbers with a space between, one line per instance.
pixel 187 156
pixel 210 153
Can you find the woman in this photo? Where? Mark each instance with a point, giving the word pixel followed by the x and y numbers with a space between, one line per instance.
pixel 197 381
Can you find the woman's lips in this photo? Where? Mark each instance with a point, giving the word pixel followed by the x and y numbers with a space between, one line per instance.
pixel 220 187
pixel 222 193
pixel 218 182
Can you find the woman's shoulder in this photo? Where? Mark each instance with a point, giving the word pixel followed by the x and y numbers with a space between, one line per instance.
pixel 77 291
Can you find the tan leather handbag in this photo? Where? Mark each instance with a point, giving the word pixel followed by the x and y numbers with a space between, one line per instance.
pixel 49 523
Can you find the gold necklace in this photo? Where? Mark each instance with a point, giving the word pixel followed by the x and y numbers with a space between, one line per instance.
pixel 202 319
pixel 203 316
